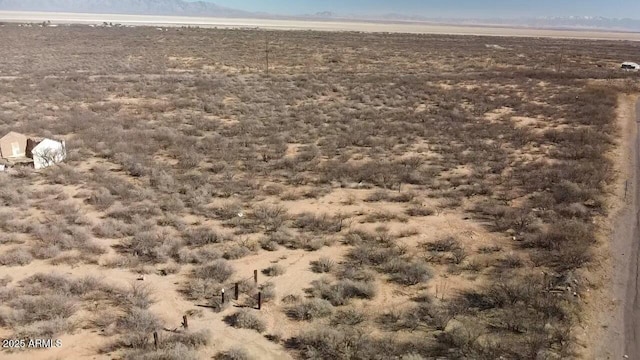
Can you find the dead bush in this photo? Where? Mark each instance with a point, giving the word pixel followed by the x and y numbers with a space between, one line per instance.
pixel 310 310
pixel 268 244
pixel 15 256
pixel 246 319
pixel 202 236
pixel 170 352
pixel 150 246
pixel 382 216
pixel 138 295
pixel 349 317
pixel 322 265
pixel 268 291
pixel 341 292
pixel 274 270
pixel 235 353
pixel 443 245
pixel 199 289
pixel 419 211
pixel 190 339
pixel 238 251
pixel 219 270
pixel 271 217
pixel 340 344
pixel 408 273
pixel 44 329
pixel 198 256
pixel 28 309
pixel 138 326
pixel 101 199
pixel 322 223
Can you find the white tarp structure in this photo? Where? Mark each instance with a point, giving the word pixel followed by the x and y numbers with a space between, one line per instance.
pixel 47 153
pixel 630 66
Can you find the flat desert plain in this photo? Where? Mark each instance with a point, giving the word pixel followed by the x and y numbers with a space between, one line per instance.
pixel 370 196
pixel 360 26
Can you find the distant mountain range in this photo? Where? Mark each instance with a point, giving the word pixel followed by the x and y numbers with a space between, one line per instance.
pixel 133 7
pixel 568 22
pixel 208 9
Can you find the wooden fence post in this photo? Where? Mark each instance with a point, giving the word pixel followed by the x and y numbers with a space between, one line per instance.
pixel 255 276
pixel 259 300
pixel 155 339
pixel 223 296
pixel 185 324
pixel 236 292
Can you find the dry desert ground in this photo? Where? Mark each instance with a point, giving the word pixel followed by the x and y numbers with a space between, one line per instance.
pixel 400 196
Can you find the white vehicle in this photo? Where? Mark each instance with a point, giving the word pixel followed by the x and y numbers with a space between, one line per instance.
pixel 631 66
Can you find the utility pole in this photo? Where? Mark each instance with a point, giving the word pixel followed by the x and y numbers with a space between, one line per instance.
pixel 559 66
pixel 266 50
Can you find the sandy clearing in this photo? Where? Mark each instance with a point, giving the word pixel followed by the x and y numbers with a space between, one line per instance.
pixel 396 27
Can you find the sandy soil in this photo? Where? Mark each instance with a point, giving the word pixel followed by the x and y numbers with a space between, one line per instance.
pixel 396 27
pixel 617 331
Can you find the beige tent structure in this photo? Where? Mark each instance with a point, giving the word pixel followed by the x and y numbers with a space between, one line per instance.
pixel 13 145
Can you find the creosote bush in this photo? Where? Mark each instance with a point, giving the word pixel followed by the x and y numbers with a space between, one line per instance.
pixel 310 309
pixel 219 270
pixel 246 319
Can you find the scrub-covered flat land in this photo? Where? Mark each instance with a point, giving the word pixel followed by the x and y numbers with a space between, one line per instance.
pixel 400 196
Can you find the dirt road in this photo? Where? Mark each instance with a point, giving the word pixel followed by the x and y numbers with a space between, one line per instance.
pixel 617 333
pixel 632 298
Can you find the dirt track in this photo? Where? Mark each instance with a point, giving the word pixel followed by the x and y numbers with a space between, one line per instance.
pixel 632 298
pixel 620 305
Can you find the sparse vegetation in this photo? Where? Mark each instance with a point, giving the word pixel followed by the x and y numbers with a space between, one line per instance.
pixel 246 319
pixel 322 265
pixel 274 270
pixel 433 173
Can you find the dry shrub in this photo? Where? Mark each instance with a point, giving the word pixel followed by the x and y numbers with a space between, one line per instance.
pixel 322 223
pixel 151 247
pixel 101 199
pixel 419 211
pixel 408 273
pixel 310 310
pixel 274 270
pixel 139 326
pixel 322 265
pixel 271 217
pixel 15 256
pixel 349 317
pixel 443 245
pixel 235 353
pixel 219 270
pixel 238 251
pixel 341 292
pixel 202 236
pixel 345 343
pixel 173 352
pixel 198 256
pixel 268 291
pixel 138 295
pixel 246 319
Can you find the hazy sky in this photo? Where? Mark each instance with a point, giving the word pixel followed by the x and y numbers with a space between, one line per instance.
pixel 447 8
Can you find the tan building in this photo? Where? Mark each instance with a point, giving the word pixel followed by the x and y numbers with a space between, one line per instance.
pixel 13 145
